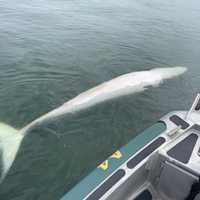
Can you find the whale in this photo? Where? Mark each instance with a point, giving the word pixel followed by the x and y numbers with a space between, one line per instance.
pixel 133 82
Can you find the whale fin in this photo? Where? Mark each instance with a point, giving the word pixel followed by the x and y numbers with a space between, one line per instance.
pixel 10 140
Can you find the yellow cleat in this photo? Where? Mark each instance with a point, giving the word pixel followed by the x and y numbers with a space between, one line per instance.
pixel 117 155
pixel 104 166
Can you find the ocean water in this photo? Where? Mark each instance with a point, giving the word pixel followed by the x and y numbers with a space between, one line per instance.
pixel 51 50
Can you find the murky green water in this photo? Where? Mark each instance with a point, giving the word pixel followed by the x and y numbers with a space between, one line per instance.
pixel 50 51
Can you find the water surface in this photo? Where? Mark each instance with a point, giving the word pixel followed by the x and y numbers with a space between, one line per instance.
pixel 50 51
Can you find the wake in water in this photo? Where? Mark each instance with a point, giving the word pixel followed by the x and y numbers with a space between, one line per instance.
pixel 10 139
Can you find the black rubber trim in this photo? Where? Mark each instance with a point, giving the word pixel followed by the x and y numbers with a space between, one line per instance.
pixel 99 192
pixel 145 195
pixel 183 150
pixel 199 151
pixel 145 152
pixel 179 122
pixel 197 108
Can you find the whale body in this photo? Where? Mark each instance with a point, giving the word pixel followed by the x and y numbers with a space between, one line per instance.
pixel 123 85
pixel 134 82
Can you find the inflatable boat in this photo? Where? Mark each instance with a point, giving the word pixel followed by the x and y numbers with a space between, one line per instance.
pixel 161 163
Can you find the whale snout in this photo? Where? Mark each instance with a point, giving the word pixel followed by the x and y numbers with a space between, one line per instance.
pixel 170 72
pixel 179 70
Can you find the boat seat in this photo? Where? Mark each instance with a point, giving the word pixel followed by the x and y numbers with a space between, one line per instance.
pixel 175 183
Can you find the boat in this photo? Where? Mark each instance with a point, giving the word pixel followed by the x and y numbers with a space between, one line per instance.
pixel 161 163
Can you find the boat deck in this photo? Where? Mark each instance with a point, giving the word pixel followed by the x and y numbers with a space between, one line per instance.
pixel 107 169
pixel 170 173
pixel 162 163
